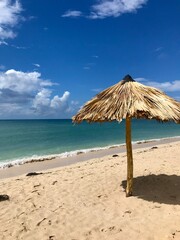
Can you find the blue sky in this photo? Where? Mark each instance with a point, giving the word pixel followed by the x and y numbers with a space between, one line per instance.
pixel 55 55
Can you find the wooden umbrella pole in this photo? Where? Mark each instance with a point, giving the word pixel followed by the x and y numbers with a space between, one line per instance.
pixel 129 158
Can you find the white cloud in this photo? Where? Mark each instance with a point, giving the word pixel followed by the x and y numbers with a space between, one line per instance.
pixel 4 33
pixel 27 95
pixel 3 43
pixel 22 82
pixel 42 99
pixel 60 102
pixel 140 79
pixel 72 13
pixel 171 86
pixel 36 65
pixel 11 45
pixel 115 8
pixel 43 104
pixel 9 17
pixel 108 8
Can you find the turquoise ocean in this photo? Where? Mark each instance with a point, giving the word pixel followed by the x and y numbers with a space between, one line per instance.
pixel 24 140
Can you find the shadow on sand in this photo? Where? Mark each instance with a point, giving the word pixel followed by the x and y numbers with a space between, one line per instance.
pixel 157 188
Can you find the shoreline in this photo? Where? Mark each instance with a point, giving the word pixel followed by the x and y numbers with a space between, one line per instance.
pixel 56 161
pixel 25 160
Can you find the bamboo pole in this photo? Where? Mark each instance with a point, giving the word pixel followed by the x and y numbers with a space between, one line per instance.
pixel 129 158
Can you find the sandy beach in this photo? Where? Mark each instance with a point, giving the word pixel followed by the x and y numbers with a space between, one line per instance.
pixel 86 200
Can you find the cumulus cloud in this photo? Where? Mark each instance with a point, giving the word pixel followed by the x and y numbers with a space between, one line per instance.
pixel 9 17
pixel 45 105
pixel 42 100
pixel 109 8
pixel 27 95
pixel 60 102
pixel 22 82
pixel 72 13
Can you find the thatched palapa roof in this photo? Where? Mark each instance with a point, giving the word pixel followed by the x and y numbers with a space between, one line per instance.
pixel 132 99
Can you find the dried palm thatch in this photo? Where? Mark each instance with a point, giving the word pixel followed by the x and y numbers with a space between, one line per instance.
pixel 129 98
pixel 125 100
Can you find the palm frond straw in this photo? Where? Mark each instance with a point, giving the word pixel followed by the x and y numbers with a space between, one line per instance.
pixel 126 100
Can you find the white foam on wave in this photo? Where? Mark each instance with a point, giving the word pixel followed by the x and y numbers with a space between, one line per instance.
pixel 35 158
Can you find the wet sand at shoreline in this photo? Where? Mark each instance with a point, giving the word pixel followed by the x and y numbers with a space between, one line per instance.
pixel 55 162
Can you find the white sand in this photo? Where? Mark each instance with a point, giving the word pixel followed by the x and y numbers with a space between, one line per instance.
pixel 86 201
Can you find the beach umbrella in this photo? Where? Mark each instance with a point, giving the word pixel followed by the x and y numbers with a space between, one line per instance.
pixel 126 100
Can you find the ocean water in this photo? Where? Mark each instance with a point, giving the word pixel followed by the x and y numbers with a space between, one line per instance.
pixel 23 140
